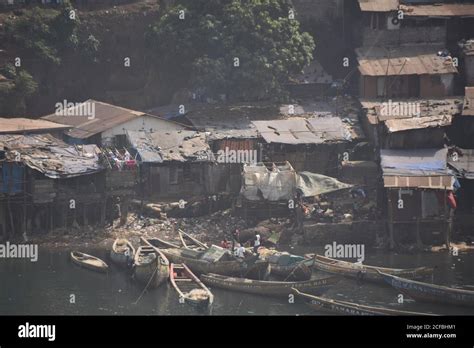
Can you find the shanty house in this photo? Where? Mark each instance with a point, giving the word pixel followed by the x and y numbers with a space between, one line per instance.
pixel 178 165
pixel 95 122
pixel 412 71
pixel 409 123
pixel 49 183
pixel 418 191
pixel 312 137
pixel 398 22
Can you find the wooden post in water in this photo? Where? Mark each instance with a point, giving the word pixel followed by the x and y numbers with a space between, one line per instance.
pixel 390 222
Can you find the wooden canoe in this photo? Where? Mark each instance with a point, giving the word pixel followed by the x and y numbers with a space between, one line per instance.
pixel 348 308
pixel 159 243
pixel 232 267
pixel 88 261
pixel 150 266
pixel 189 242
pixel 190 289
pixel 364 272
pixel 425 292
pixel 267 288
pixel 122 252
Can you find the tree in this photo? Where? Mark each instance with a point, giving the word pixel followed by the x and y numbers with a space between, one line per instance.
pixel 245 49
pixel 14 95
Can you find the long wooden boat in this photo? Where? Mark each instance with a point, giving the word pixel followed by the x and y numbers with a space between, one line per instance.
pixel 298 271
pixel 199 266
pixel 150 266
pixel 189 242
pixel 262 287
pixel 364 272
pixel 160 243
pixel 348 308
pixel 88 261
pixel 425 292
pixel 122 252
pixel 189 287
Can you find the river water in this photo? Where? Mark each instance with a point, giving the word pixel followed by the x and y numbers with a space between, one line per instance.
pixel 45 288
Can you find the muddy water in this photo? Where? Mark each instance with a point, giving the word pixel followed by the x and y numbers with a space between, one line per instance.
pixel 46 286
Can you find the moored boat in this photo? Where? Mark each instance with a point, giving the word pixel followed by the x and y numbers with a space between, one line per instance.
pixel 88 261
pixel 364 272
pixel 231 266
pixel 190 289
pixel 160 243
pixel 268 288
pixel 348 308
pixel 425 292
pixel 189 242
pixel 122 252
pixel 150 266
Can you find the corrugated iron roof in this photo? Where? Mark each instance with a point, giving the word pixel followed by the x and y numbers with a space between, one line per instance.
pixel 106 117
pixel 378 5
pixel 463 163
pixel 432 112
pixel 403 60
pixel 24 125
pixel 400 125
pixel 439 10
pixel 293 131
pixel 181 146
pixel 468 108
pixel 303 131
pixel 51 156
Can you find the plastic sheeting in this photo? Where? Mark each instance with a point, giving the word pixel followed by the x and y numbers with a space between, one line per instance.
pixel 282 183
pixel 419 162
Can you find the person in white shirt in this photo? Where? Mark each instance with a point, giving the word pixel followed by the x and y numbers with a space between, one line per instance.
pixel 240 251
pixel 256 243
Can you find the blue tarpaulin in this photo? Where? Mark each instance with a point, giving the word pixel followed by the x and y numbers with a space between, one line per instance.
pixel 12 175
pixel 416 162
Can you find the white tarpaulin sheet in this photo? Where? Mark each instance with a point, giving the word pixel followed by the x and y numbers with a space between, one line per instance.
pixel 282 182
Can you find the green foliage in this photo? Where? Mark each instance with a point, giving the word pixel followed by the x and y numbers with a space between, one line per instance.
pixel 14 95
pixel 203 46
pixel 48 35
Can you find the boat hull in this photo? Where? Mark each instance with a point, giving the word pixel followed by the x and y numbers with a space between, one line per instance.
pixel 266 288
pixel 152 273
pixel 348 308
pixel 98 265
pixel 119 258
pixel 366 273
pixel 425 292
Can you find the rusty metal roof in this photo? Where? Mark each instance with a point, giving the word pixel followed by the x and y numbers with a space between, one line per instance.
pixel 378 5
pixel 403 60
pixel 181 146
pixel 439 10
pixel 106 117
pixel 26 125
pixel 398 115
pixel 299 130
pixel 51 156
pixel 468 108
